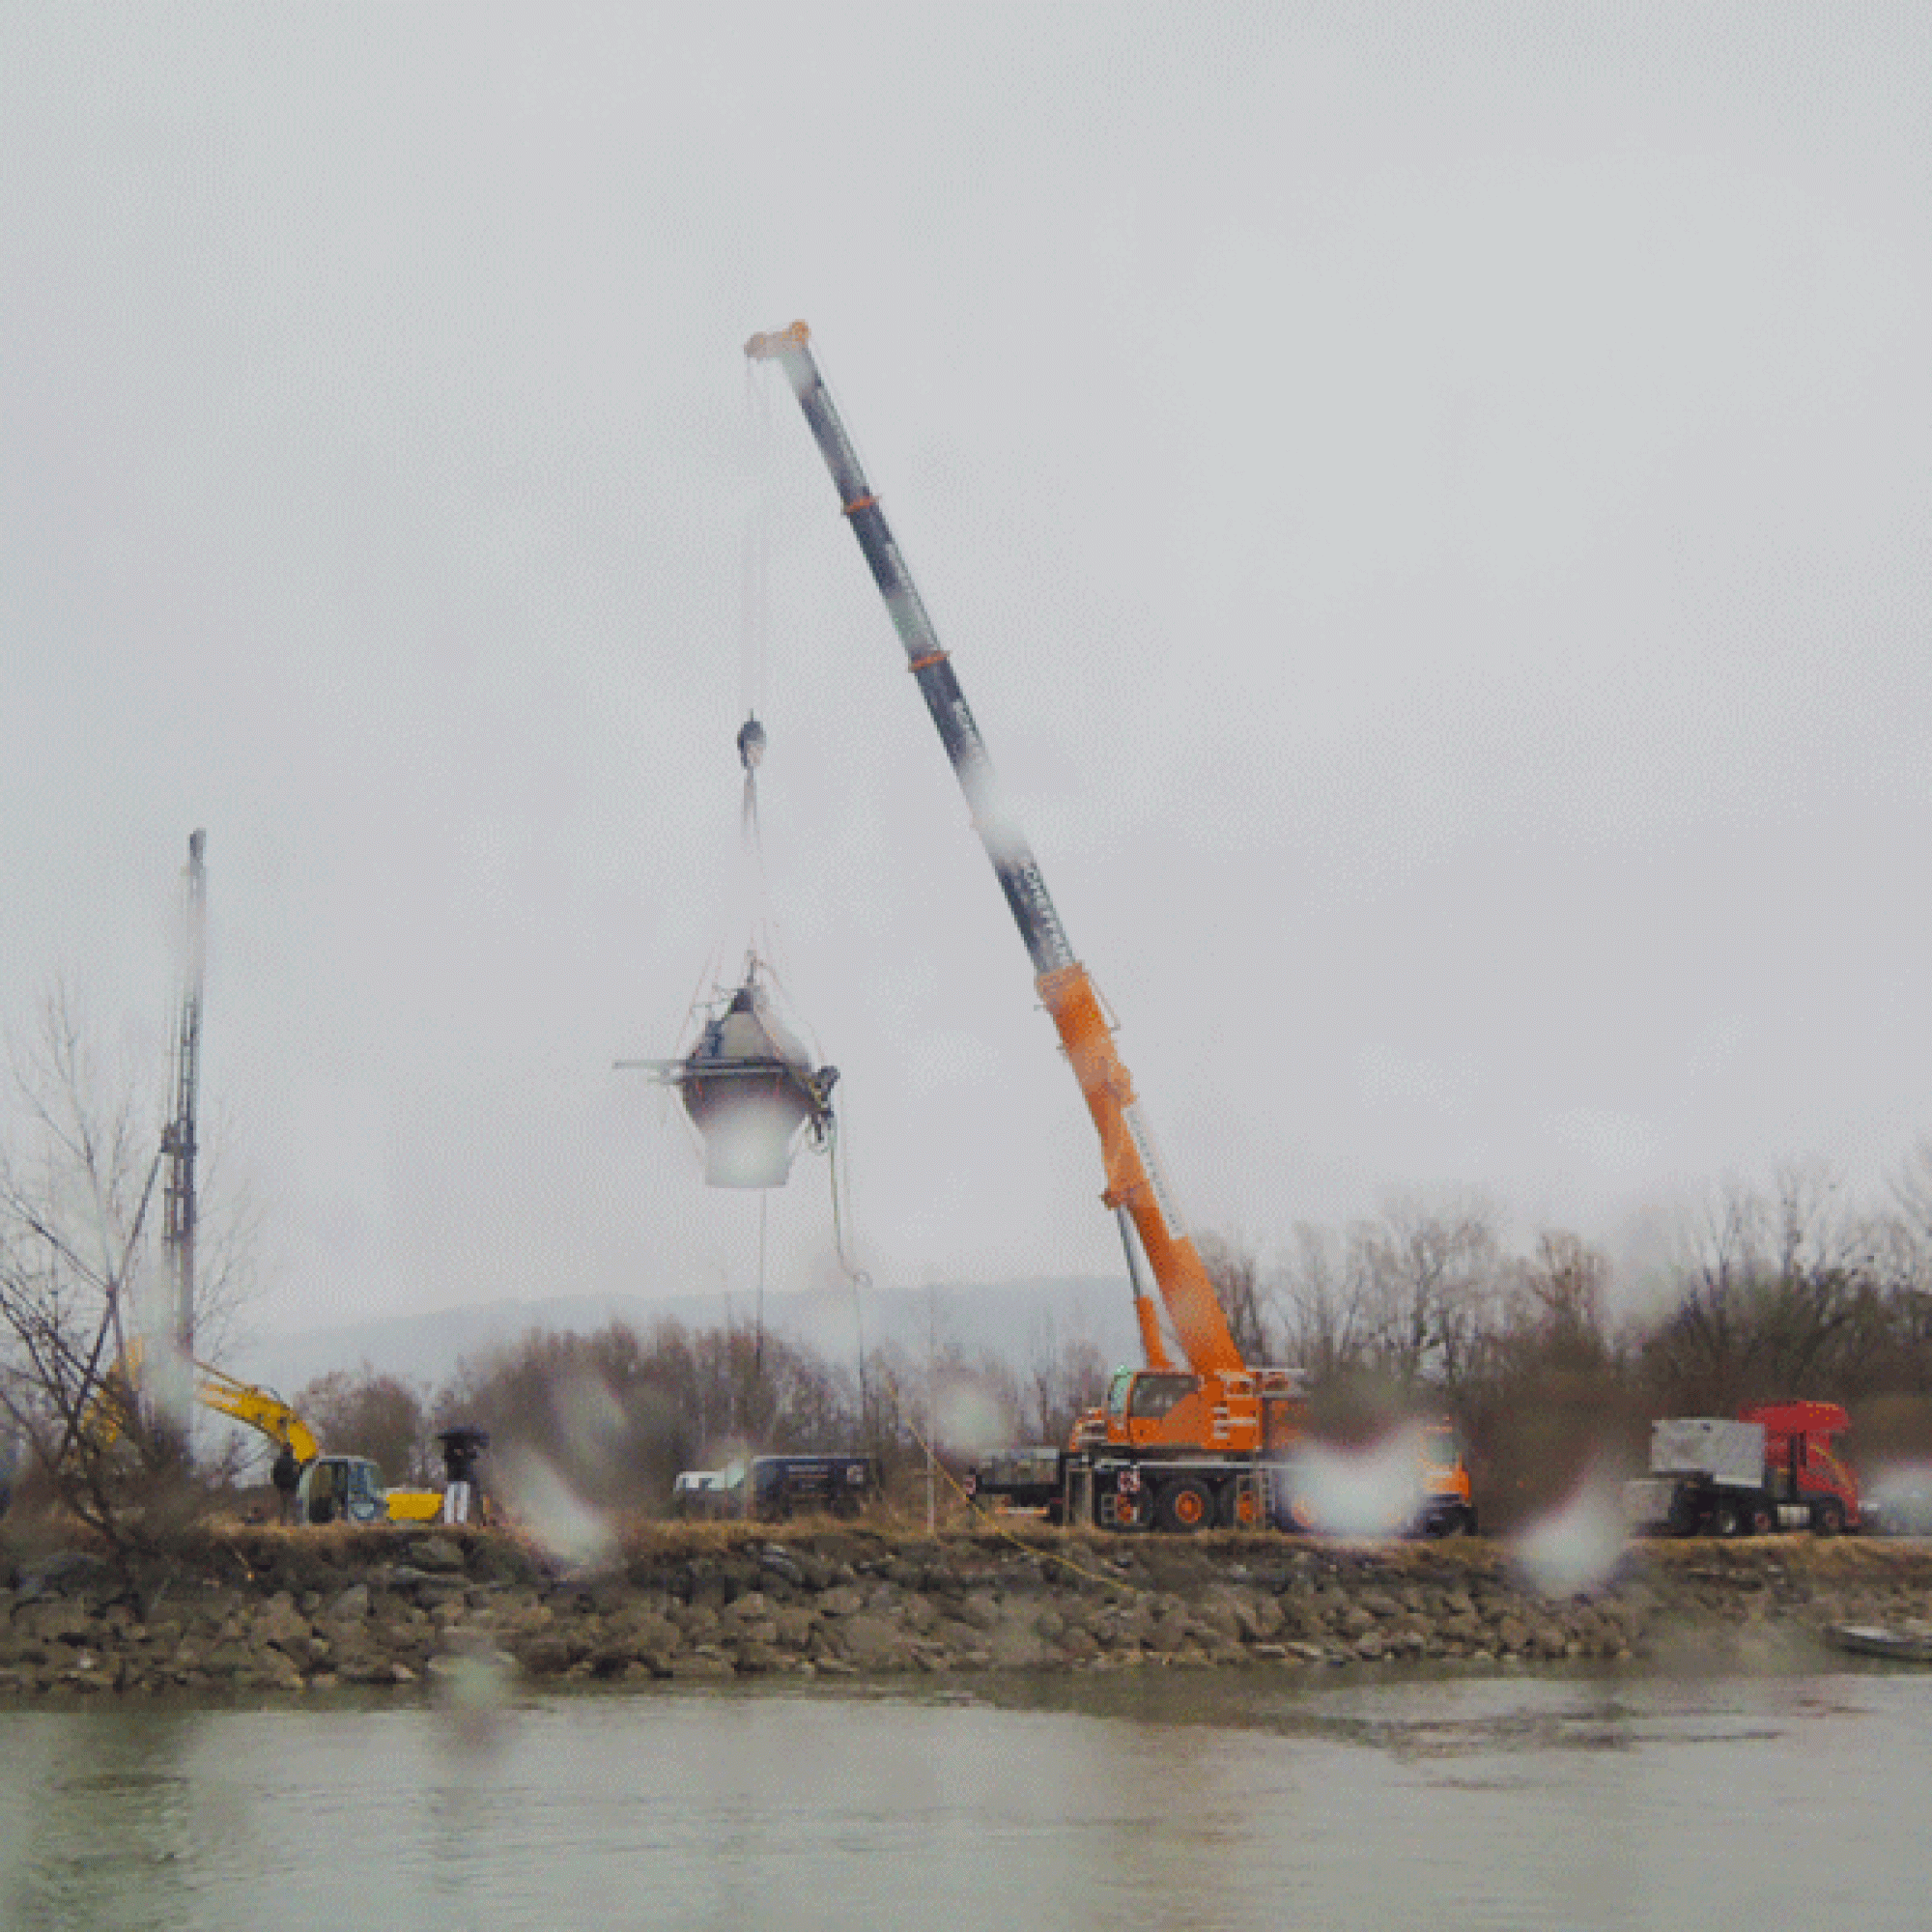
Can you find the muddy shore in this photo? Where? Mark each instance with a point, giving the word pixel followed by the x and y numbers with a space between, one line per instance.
pixel 258 1613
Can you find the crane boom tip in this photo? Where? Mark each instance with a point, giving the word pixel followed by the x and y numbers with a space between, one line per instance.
pixel 762 348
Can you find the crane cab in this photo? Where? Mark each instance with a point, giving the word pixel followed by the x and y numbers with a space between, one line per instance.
pixel 1250 1412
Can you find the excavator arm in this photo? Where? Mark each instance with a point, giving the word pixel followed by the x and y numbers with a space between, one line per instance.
pixel 258 1408
pixel 108 1415
pixel 1134 1183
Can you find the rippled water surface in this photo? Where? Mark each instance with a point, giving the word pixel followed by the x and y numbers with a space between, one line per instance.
pixel 1180 1799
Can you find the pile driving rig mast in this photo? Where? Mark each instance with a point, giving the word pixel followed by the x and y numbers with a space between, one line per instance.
pixel 178 1139
pixel 1206 1421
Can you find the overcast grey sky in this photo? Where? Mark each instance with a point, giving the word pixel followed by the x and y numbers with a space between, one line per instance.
pixel 1429 504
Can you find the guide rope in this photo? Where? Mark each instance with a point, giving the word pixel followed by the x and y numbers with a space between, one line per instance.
pixel 860 1281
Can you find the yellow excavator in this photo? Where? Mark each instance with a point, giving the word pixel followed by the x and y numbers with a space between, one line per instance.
pixel 333 1489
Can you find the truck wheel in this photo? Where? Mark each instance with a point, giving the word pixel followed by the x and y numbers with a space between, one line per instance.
pixel 1725 1521
pixel 1828 1518
pixel 1240 1507
pixel 1185 1504
pixel 1757 1521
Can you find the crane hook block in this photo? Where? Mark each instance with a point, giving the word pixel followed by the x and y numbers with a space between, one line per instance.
pixel 750 744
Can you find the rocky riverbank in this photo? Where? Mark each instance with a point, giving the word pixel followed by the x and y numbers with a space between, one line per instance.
pixel 269 1612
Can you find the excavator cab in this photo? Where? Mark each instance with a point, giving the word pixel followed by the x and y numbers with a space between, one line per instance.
pixel 341 1489
pixel 349 1489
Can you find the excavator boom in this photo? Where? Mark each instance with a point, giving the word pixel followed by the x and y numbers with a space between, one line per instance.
pixel 1134 1181
pixel 115 1402
pixel 258 1408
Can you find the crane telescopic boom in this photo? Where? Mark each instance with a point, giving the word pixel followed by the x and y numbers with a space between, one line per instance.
pixel 1135 1186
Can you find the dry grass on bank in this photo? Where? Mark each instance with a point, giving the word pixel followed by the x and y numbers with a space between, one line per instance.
pixel 222 1540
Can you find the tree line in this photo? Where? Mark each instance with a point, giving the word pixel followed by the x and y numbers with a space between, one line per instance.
pixel 1546 1361
pixel 1548 1365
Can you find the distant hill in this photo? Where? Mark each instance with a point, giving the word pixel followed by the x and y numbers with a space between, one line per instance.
pixel 1012 1321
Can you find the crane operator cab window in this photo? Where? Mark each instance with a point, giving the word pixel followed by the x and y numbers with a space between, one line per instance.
pixel 1154 1396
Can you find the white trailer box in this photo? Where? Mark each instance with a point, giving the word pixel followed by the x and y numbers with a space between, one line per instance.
pixel 1729 1453
pixel 1647 1503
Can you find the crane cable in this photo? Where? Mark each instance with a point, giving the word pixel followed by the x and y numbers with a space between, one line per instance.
pixel 838 1169
pixel 754 605
pixel 754 662
pixel 840 1177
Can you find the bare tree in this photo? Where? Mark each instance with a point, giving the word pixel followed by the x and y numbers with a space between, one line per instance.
pixel 366 1413
pixel 1431 1276
pixel 1779 1297
pixel 76 1183
pixel 1558 1295
pixel 1328 1317
pixel 78 1172
pixel 1246 1299
pixel 1912 1189
pixel 1062 1380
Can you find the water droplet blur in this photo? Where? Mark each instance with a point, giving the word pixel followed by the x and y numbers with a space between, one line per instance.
pixel 1375 1491
pixel 1577 1546
pixel 553 1514
pixel 967 1417
pixel 471 1684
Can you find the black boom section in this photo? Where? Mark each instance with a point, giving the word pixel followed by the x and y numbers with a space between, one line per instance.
pixel 1014 862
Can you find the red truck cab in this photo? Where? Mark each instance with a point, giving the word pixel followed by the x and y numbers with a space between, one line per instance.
pixel 1805 1483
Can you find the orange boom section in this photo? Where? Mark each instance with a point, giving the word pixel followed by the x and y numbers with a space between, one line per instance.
pixel 1134 1181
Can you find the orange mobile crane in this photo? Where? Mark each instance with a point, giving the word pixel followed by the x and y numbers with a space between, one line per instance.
pixel 1177 1445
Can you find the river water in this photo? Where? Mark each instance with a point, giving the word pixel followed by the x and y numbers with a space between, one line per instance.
pixel 1176 1800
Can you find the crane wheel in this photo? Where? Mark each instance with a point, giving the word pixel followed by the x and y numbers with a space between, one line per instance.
pixel 1240 1507
pixel 1186 1505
